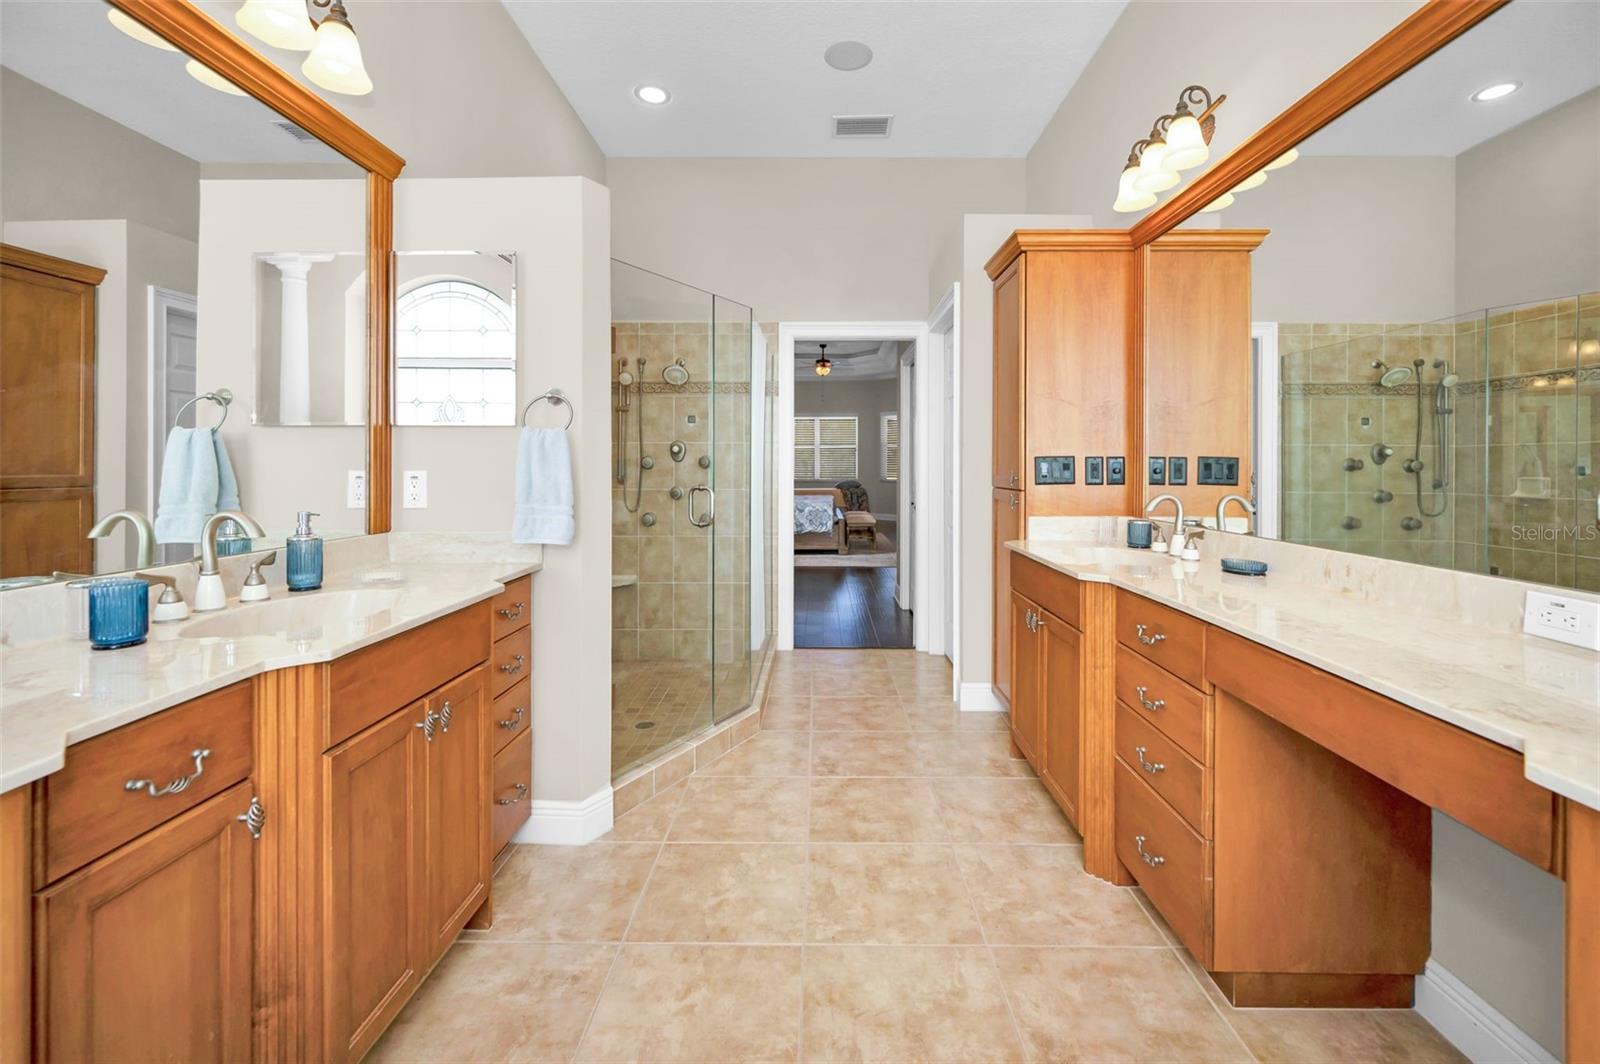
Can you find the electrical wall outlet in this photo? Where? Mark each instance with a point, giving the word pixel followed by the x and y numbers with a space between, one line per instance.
pixel 1053 469
pixel 1094 470
pixel 1566 620
pixel 355 489
pixel 414 489
pixel 1158 470
pixel 1218 469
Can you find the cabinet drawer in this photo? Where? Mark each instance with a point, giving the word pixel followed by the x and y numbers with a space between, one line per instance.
pixel 89 807
pixel 511 608
pixel 509 662
pixel 1174 868
pixel 370 684
pixel 1164 700
pixel 1056 592
pixel 1162 764
pixel 513 789
pixel 1173 640
pixel 512 713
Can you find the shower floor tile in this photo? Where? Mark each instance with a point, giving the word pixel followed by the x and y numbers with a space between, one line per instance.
pixel 671 700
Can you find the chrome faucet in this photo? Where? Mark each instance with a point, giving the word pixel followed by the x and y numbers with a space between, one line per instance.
pixel 1175 544
pixel 1246 504
pixel 208 592
pixel 142 529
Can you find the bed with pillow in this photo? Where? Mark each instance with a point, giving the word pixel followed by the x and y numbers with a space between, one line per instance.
pixel 819 520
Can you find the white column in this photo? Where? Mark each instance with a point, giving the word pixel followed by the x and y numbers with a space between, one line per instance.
pixel 294 335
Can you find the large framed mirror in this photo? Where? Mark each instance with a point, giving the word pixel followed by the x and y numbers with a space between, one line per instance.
pixel 1426 304
pixel 153 168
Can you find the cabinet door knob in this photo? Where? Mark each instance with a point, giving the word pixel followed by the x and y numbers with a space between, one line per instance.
pixel 1147 637
pixel 512 612
pixel 1151 704
pixel 1151 767
pixel 513 669
pixel 522 792
pixel 445 715
pixel 254 817
pixel 1013 502
pixel 515 719
pixel 177 785
pixel 1148 858
pixel 427 725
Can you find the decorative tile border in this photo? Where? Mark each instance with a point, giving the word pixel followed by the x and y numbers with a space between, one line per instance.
pixel 696 388
pixel 1510 383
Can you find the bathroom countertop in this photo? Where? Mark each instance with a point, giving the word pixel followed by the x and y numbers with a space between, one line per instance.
pixel 1530 694
pixel 60 691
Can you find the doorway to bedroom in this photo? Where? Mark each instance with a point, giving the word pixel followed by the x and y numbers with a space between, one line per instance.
pixel 849 587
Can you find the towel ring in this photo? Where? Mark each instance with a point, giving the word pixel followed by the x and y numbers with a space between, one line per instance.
pixel 555 398
pixel 222 397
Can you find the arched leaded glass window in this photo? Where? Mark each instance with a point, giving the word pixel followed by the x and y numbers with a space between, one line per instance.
pixel 455 356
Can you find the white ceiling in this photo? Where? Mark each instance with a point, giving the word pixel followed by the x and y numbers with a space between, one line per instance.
pixel 961 78
pixel 69 47
pixel 1551 46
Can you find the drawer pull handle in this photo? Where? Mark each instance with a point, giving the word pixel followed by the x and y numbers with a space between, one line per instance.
pixel 1151 767
pixel 176 785
pixel 1148 858
pixel 522 792
pixel 512 612
pixel 1148 640
pixel 254 817
pixel 515 719
pixel 1147 703
pixel 445 714
pixel 513 669
pixel 429 720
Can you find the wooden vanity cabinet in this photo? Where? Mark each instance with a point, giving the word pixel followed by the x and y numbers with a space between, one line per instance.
pixel 458 813
pixel 511 793
pixel 1027 680
pixel 1047 679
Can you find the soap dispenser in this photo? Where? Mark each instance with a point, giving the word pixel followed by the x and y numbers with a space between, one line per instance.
pixel 304 566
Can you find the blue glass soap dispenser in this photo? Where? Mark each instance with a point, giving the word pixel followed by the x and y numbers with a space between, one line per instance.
pixel 304 549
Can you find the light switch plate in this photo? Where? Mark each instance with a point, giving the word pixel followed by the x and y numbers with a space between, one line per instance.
pixel 355 491
pixel 1566 620
pixel 415 489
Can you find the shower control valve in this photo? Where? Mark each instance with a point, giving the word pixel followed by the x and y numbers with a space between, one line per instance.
pixel 1412 465
pixel 1381 496
pixel 1353 464
pixel 1381 453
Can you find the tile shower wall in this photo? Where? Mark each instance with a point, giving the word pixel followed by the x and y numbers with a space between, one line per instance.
pixel 1521 501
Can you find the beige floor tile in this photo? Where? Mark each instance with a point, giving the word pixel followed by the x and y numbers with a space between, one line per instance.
pixel 648 821
pixel 1112 1004
pixel 933 714
pixel 724 892
pixel 1041 896
pixel 918 686
pixel 698 1004
pixel 786 713
pixel 789 685
pixel 864 754
pixel 968 754
pixel 500 1001
pixel 1001 811
pixel 767 753
pixel 852 683
pixel 569 893
pixel 737 809
pixel 858 714
pixel 841 660
pixel 905 1003
pixel 889 894
pixel 869 810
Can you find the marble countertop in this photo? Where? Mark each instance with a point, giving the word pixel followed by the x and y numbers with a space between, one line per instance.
pixel 60 691
pixel 1533 695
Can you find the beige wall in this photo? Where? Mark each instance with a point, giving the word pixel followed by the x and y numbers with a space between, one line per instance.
pixel 1528 210
pixel 458 91
pixel 61 160
pixel 1264 56
pixel 803 239
pixel 866 400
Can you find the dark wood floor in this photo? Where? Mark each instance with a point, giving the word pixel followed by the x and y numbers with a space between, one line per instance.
pixel 848 608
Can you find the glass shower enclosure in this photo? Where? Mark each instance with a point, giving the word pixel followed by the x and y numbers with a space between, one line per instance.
pixel 685 647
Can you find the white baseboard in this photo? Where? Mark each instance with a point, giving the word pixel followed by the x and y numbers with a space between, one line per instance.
pixel 979 698
pixel 1475 1027
pixel 555 823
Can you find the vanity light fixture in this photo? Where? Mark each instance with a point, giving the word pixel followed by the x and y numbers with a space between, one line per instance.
pixel 1224 200
pixel 823 367
pixel 1188 136
pixel 1255 180
pixel 280 23
pixel 335 60
pixel 1130 198
pixel 652 94
pixel 138 31
pixel 1178 141
pixel 1498 91
pixel 211 79
pixel 1154 175
pixel 1283 160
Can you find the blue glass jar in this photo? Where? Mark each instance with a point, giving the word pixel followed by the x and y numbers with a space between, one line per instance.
pixel 119 612
pixel 303 566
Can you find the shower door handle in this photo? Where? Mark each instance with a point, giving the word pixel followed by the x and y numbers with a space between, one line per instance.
pixel 704 521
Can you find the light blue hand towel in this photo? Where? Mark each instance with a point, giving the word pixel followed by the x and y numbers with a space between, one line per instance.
pixel 543 489
pixel 227 485
pixel 189 485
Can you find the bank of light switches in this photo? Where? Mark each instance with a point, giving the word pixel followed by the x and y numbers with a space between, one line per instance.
pixel 1097 469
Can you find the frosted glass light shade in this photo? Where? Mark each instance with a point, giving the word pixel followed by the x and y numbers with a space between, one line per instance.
pixel 138 30
pixel 1186 144
pixel 211 79
pixel 335 60
pixel 1129 198
pixel 1255 180
pixel 280 23
pixel 1153 174
pixel 1224 200
pixel 1283 160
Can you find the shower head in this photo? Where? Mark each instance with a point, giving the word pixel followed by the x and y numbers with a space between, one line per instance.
pixel 1391 376
pixel 1450 380
pixel 624 378
pixel 676 374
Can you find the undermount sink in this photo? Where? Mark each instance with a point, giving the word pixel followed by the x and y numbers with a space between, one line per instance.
pixel 301 616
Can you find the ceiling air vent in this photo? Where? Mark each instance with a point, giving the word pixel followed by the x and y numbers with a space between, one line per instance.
pixel 857 126
pixel 294 131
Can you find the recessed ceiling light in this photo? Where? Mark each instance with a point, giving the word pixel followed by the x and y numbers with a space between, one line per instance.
pixel 847 55
pixel 653 94
pixel 1497 91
